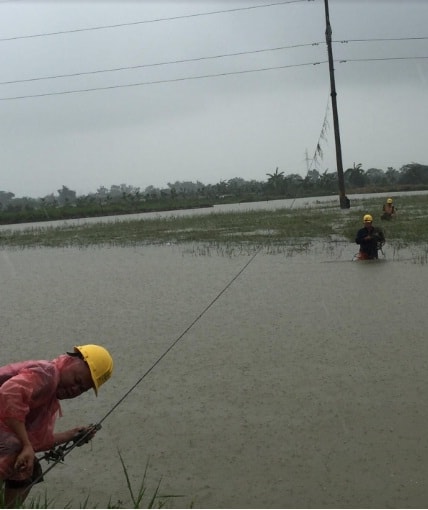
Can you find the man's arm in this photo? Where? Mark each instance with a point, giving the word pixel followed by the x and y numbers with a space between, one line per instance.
pixel 362 236
pixel 25 459
pixel 380 235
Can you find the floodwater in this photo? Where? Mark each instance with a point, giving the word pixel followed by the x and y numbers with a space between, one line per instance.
pixel 279 381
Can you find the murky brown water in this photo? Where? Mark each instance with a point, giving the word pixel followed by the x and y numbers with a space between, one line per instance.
pixel 303 385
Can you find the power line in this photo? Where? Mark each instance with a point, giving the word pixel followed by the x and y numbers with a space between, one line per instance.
pixel 157 20
pixel 199 77
pixel 157 82
pixel 342 61
pixel 382 39
pixel 158 64
pixel 199 59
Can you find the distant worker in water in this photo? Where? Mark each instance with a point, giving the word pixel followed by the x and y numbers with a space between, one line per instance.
pixel 370 239
pixel 388 210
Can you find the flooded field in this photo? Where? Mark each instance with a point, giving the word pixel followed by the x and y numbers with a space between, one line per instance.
pixel 301 382
pixel 269 205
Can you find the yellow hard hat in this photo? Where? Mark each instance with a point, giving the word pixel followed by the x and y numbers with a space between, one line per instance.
pixel 389 201
pixel 368 217
pixel 99 361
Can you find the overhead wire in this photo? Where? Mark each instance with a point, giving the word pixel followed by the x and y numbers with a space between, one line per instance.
pixel 382 39
pixel 180 61
pixel 157 20
pixel 158 64
pixel 318 150
pixel 200 59
pixel 376 59
pixel 157 82
pixel 199 77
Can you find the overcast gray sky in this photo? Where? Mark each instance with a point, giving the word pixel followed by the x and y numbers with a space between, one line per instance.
pixel 207 119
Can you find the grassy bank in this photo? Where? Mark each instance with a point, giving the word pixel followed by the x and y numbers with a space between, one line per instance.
pixel 325 222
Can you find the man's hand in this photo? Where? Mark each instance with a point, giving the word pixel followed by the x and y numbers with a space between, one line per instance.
pixel 85 434
pixel 25 460
pixel 78 434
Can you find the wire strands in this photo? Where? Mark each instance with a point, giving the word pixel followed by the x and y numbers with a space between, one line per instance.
pixel 157 82
pixel 213 57
pixel 189 60
pixel 158 64
pixel 204 76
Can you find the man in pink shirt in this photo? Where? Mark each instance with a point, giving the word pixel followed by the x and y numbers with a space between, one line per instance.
pixel 30 392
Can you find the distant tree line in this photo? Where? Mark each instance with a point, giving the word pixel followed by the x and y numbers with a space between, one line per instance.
pixel 124 198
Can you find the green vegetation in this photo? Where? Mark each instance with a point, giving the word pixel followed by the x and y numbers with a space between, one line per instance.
pixel 93 209
pixel 300 227
pixel 126 199
pixel 139 496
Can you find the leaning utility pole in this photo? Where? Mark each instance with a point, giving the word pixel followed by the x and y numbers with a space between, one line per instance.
pixel 344 201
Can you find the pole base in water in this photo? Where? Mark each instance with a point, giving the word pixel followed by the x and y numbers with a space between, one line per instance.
pixel 345 203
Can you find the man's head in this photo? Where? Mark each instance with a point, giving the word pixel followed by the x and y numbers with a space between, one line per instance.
pixel 389 201
pixel 89 366
pixel 368 220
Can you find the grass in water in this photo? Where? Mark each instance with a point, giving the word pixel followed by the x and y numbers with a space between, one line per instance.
pixel 140 497
pixel 325 222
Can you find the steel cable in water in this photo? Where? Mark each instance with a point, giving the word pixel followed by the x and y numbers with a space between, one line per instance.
pixel 57 455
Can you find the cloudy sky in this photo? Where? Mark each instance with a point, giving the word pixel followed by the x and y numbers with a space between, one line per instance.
pixel 97 93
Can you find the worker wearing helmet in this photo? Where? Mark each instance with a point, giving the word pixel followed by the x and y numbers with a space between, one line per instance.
pixel 370 239
pixel 388 210
pixel 30 395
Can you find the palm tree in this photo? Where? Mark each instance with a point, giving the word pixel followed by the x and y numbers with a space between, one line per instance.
pixel 276 180
pixel 355 176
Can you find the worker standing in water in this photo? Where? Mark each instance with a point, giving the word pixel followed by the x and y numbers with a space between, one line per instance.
pixel 370 239
pixel 388 210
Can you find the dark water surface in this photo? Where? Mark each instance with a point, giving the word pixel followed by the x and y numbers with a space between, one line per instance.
pixel 303 384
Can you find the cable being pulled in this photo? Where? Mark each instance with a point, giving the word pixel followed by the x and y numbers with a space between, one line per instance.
pixel 58 454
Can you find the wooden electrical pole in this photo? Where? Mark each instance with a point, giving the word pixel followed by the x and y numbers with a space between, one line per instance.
pixel 344 201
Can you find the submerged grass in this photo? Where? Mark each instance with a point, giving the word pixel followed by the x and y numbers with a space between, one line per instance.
pixel 262 227
pixel 140 496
